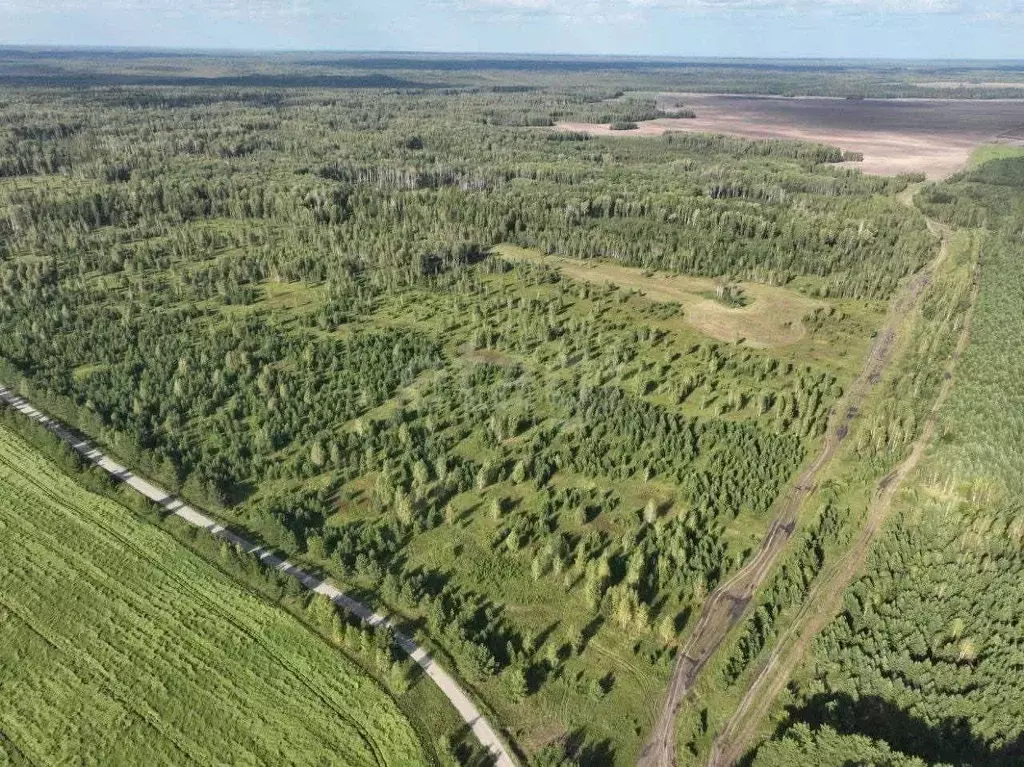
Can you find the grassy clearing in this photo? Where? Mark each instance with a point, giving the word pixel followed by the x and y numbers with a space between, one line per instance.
pixel 988 152
pixel 771 318
pixel 830 333
pixel 120 647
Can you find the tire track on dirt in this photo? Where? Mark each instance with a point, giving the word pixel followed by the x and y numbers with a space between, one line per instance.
pixel 825 598
pixel 727 603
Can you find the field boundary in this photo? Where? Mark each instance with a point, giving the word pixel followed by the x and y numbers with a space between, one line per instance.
pixel 450 688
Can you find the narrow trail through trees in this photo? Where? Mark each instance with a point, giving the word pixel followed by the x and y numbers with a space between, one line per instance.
pixel 727 603
pixel 826 597
pixel 467 710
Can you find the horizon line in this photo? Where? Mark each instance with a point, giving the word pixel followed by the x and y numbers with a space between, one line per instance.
pixel 182 50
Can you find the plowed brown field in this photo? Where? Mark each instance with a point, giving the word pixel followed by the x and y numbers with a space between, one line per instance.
pixel 932 136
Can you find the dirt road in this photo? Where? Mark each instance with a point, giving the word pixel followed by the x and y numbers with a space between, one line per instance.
pixel 826 597
pixel 726 605
pixel 467 710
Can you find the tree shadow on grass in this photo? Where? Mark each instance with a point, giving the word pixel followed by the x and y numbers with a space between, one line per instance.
pixel 467 750
pixel 586 753
pixel 950 740
pixel 590 631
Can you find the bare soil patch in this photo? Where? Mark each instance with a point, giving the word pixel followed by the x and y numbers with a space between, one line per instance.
pixel 954 85
pixel 486 356
pixel 932 136
pixel 771 318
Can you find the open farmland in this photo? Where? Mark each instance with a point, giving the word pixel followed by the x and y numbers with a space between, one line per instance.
pixel 930 136
pixel 120 647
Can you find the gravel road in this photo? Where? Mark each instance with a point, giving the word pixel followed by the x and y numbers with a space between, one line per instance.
pixel 470 714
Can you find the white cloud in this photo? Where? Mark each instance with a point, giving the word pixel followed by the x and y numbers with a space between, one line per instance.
pixel 971 8
pixel 226 9
pixel 397 15
pixel 854 6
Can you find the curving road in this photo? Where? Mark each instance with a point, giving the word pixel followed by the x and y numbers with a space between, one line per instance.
pixel 451 689
pixel 727 603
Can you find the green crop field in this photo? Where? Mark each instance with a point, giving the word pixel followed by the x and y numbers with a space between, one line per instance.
pixel 118 646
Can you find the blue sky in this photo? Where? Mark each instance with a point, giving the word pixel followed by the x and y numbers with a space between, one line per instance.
pixel 780 28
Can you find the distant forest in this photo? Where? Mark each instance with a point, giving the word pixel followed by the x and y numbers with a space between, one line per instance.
pixel 276 287
pixel 798 77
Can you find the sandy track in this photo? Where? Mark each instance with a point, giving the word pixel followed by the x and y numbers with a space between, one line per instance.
pixel 467 710
pixel 932 136
pixel 727 604
pixel 825 599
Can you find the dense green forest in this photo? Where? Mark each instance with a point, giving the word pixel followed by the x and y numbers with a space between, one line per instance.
pixel 284 303
pixel 923 665
pixel 845 502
